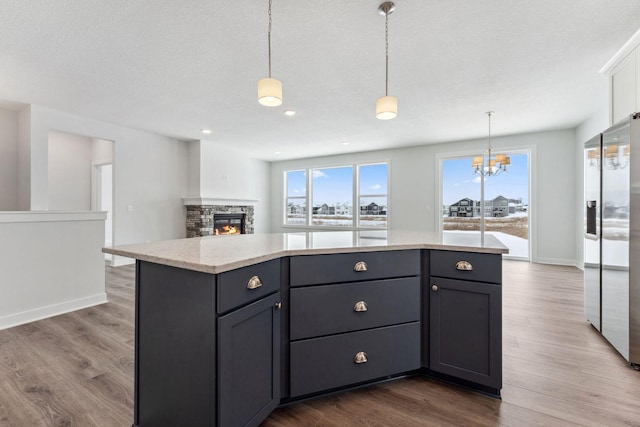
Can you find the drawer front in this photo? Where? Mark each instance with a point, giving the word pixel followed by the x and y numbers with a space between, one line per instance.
pixel 486 267
pixel 337 268
pixel 321 364
pixel 331 309
pixel 233 288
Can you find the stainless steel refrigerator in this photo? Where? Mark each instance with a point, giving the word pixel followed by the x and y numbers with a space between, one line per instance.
pixel 612 236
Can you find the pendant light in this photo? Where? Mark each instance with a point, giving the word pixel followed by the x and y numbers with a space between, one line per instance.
pixel 386 106
pixel 269 89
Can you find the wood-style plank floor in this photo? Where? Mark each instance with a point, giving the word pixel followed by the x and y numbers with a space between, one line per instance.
pixel 77 369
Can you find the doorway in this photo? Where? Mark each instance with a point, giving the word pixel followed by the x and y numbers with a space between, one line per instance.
pixel 103 199
pixel 506 201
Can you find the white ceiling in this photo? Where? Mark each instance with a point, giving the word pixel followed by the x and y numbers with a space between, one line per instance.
pixel 174 67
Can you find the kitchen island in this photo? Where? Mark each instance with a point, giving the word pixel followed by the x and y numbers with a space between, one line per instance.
pixel 230 327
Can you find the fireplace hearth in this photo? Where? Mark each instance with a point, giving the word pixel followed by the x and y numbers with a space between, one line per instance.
pixel 213 220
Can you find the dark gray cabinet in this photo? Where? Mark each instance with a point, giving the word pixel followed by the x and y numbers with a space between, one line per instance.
pixel 174 347
pixel 349 332
pixel 207 349
pixel 325 363
pixel 249 363
pixel 226 349
pixel 465 325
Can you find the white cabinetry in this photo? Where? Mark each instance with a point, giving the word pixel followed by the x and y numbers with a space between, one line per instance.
pixel 624 80
pixel 624 85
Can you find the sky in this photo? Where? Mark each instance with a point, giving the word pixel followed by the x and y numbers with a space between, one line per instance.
pixel 335 185
pixel 459 181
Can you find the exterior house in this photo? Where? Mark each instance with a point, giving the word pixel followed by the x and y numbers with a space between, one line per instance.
pixel 498 207
pixel 373 209
pixel 324 209
pixel 294 209
pixel 462 208
pixel 343 209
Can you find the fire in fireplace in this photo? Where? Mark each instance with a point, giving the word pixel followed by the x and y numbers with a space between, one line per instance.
pixel 228 224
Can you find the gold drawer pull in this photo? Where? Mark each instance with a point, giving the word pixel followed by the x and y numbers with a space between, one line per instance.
pixel 361 357
pixel 464 266
pixel 360 306
pixel 360 266
pixel 254 283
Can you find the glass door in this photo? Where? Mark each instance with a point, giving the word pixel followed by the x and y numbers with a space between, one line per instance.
pixel 506 201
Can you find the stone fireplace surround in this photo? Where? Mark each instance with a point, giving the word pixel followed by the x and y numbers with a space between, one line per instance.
pixel 200 213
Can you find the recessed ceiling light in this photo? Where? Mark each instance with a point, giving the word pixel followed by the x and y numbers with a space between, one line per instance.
pixel 344 143
pixel 205 131
pixel 289 113
pixel 276 152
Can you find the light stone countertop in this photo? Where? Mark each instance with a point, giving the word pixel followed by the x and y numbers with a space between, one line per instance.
pixel 217 254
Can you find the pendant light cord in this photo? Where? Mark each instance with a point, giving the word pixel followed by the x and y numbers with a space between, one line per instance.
pixel 269 38
pixel 489 114
pixel 386 54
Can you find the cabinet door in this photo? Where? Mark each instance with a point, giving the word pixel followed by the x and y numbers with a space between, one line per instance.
pixel 466 330
pixel 623 89
pixel 249 363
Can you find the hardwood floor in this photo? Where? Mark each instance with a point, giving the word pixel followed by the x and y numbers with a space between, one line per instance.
pixel 77 369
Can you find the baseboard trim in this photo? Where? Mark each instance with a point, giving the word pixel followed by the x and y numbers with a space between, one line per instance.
pixel 40 313
pixel 557 261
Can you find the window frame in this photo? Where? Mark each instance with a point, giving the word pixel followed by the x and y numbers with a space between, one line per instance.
pixel 355 197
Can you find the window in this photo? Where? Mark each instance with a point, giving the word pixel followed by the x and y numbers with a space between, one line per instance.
pixel 296 208
pixel 332 196
pixel 325 197
pixel 373 195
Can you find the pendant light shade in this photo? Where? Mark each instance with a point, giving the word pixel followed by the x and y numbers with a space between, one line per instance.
pixel 269 92
pixel 386 107
pixel 269 89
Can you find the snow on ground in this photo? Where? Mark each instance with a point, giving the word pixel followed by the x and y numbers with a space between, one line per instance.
pixel 518 247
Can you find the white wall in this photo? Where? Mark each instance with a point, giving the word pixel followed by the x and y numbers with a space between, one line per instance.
pixel 414 193
pixel 101 151
pixel 51 263
pixel 219 172
pixel 69 169
pixel 150 174
pixel 8 160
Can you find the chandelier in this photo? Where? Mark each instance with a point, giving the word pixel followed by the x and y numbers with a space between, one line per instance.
pixel 496 163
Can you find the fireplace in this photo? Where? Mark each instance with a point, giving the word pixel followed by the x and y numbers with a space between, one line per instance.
pixel 232 223
pixel 204 220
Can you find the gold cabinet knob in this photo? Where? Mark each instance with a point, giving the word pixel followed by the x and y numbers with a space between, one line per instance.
pixel 361 357
pixel 464 266
pixel 254 283
pixel 360 306
pixel 360 266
